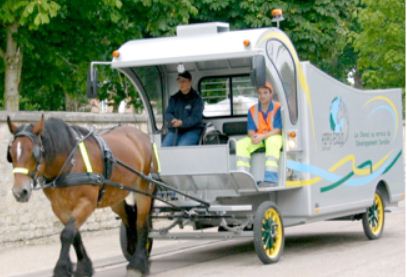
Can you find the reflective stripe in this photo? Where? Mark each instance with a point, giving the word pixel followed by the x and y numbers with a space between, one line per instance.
pixel 156 157
pixel 85 157
pixel 21 170
pixel 243 159
pixel 242 163
pixel 271 159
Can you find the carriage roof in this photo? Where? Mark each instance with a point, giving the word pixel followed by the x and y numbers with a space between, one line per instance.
pixel 195 42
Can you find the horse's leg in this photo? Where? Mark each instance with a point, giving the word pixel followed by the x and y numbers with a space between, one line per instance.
pixel 79 214
pixel 139 261
pixel 128 214
pixel 84 265
pixel 64 266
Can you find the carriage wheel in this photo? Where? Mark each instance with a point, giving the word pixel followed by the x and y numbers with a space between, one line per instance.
pixel 268 231
pixel 373 219
pixel 123 243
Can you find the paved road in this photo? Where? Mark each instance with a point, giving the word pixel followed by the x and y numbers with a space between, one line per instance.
pixel 319 249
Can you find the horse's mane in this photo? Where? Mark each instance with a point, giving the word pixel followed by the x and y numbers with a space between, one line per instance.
pixel 59 138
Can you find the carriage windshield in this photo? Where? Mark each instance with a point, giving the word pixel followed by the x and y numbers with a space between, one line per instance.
pixel 151 82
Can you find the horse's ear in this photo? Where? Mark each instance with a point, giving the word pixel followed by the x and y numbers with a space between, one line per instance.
pixel 39 126
pixel 11 126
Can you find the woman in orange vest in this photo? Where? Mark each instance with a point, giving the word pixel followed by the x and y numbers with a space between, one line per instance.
pixel 264 130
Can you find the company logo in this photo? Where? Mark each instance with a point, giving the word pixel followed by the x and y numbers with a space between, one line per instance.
pixel 338 125
pixel 338 117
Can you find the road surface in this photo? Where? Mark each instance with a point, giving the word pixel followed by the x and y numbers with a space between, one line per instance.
pixel 336 248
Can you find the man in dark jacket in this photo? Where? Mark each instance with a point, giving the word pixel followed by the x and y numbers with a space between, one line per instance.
pixel 184 114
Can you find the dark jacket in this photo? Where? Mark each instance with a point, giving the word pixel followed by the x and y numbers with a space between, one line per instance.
pixel 188 108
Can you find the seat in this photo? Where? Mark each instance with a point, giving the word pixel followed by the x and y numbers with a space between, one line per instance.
pixel 204 127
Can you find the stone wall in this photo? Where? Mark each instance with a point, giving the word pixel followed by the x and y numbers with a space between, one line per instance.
pixel 34 220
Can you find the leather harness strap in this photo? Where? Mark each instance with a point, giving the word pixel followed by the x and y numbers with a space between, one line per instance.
pixel 69 179
pixel 108 160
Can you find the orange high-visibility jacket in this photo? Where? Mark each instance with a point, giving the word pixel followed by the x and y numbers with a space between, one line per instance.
pixel 263 126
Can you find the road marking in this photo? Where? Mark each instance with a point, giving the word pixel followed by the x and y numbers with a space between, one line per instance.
pixel 103 268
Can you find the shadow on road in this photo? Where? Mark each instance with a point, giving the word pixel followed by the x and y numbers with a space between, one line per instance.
pixel 294 243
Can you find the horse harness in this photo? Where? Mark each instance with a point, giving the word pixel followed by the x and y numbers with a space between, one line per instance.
pixel 70 179
pixel 89 177
pixel 64 179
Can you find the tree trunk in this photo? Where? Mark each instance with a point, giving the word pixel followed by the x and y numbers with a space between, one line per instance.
pixel 13 62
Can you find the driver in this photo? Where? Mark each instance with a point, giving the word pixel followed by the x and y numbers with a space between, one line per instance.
pixel 184 114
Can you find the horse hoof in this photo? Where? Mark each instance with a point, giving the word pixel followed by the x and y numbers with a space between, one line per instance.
pixel 82 274
pixel 63 270
pixel 133 273
pixel 84 269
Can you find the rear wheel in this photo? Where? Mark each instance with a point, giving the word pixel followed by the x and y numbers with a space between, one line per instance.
pixel 268 231
pixel 123 243
pixel 373 219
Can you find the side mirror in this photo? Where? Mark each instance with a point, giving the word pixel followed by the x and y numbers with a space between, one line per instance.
pixel 258 74
pixel 92 83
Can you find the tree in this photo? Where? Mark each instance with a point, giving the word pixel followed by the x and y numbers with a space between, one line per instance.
pixel 380 44
pixel 84 31
pixel 317 28
pixel 13 16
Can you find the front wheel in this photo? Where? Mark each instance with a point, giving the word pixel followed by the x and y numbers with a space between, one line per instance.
pixel 373 219
pixel 268 231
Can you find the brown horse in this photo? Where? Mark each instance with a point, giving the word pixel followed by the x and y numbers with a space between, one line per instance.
pixel 49 149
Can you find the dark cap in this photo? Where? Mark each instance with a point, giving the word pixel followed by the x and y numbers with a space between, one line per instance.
pixel 185 75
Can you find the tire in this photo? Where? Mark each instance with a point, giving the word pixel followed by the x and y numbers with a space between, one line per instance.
pixel 123 243
pixel 268 231
pixel 373 219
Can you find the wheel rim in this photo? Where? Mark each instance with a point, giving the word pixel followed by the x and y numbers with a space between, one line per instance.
pixel 271 233
pixel 375 215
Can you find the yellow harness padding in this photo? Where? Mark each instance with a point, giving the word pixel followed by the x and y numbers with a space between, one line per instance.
pixel 156 157
pixel 85 157
pixel 21 170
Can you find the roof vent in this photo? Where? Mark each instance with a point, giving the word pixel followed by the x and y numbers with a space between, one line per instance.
pixel 202 29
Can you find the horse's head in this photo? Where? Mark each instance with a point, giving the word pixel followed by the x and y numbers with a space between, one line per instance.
pixel 25 153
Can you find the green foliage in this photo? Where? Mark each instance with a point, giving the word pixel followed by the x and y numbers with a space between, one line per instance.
pixel 381 43
pixel 317 28
pixel 60 38
pixel 1 84
pixel 115 87
pixel 62 52
pixel 57 55
pixel 28 12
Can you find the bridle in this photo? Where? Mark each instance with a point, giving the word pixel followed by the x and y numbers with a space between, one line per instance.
pixel 37 152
